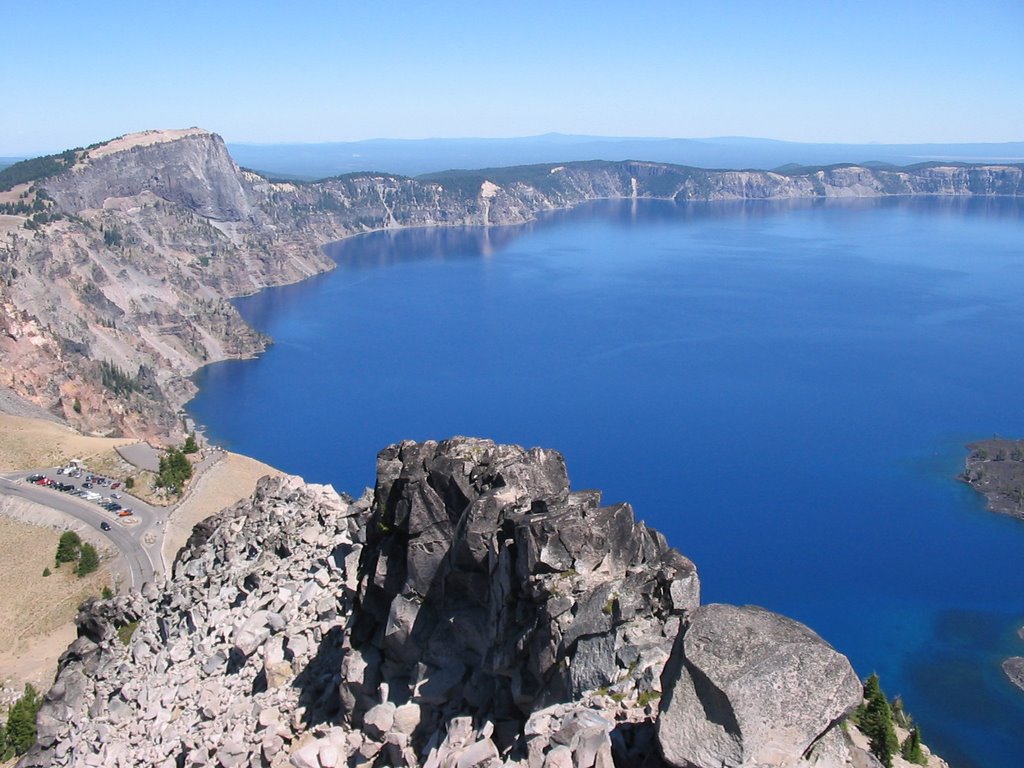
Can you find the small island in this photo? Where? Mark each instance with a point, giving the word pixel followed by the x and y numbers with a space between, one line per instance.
pixel 995 468
pixel 1014 669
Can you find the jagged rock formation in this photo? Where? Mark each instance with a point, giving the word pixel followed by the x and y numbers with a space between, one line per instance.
pixel 144 239
pixel 472 611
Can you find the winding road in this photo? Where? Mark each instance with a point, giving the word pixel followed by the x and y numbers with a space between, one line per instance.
pixel 138 542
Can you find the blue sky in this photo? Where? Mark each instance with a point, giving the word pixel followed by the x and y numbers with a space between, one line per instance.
pixel 319 71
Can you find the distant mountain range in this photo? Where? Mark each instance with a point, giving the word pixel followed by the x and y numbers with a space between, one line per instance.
pixel 412 157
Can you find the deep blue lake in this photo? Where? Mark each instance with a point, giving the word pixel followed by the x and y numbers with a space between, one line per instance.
pixel 784 389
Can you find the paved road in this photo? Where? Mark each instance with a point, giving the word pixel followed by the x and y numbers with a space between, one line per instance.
pixel 140 551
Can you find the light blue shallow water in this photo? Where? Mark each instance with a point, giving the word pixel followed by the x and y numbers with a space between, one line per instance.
pixel 783 389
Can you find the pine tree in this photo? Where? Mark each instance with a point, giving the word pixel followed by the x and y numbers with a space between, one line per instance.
pixel 21 721
pixel 875 721
pixel 68 547
pixel 911 750
pixel 89 561
pixel 190 445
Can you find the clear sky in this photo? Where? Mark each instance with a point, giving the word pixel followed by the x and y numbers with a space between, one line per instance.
pixel 254 71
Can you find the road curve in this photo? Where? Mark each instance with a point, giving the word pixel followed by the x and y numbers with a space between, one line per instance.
pixel 129 541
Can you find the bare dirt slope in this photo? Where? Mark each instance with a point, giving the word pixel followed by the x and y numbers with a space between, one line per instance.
pixel 36 612
pixel 34 443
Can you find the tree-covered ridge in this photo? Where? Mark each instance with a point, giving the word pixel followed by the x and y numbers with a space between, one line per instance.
pixel 36 168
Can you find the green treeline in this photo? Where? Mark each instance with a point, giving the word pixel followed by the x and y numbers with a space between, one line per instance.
pixel 118 381
pixel 877 719
pixel 71 549
pixel 19 734
pixel 36 168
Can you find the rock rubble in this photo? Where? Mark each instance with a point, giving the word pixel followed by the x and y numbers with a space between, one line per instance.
pixel 471 611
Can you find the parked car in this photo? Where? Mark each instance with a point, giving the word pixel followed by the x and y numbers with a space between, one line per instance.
pixel 125 513
pixel 87 484
pixel 105 526
pixel 115 495
pixel 116 484
pixel 34 478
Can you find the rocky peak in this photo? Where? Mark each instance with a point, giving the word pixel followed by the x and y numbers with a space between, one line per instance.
pixel 472 611
pixel 191 168
pixel 488 587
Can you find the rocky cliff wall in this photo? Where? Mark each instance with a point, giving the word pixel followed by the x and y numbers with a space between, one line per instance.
pixel 471 611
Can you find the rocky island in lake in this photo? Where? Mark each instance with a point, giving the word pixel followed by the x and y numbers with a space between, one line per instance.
pixel 995 468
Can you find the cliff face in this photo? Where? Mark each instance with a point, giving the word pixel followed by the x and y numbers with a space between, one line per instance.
pixel 193 171
pixel 472 611
pixel 146 237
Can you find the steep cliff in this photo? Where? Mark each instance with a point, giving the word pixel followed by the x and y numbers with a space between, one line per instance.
pixel 471 611
pixel 124 261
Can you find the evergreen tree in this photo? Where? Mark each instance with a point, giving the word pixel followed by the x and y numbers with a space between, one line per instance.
pixel 3 744
pixel 89 561
pixel 190 445
pixel 875 720
pixel 68 547
pixel 175 469
pixel 911 749
pixel 21 721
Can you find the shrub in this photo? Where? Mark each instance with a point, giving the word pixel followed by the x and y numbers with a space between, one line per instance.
pixel 107 593
pixel 68 547
pixel 89 560
pixel 911 750
pixel 46 572
pixel 125 632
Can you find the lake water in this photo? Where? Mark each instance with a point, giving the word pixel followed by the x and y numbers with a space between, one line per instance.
pixel 783 389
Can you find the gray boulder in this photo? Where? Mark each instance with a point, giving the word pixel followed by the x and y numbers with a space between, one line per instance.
pixel 745 686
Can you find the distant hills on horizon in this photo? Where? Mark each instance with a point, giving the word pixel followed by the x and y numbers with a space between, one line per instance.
pixel 413 157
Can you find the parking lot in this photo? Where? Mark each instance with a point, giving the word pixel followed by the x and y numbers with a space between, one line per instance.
pixel 105 492
pixel 132 526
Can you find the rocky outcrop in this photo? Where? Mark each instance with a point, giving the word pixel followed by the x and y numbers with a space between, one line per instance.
pixel 490 588
pixel 193 171
pixel 1014 669
pixel 746 686
pixel 995 468
pixel 471 611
